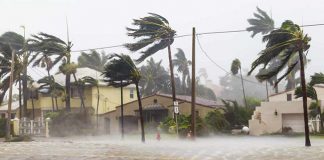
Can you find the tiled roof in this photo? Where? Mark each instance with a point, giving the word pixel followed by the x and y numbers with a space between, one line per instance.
pixel 199 100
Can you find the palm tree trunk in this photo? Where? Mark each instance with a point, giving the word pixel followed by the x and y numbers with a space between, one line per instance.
pixel 79 91
pixel 32 98
pixel 52 83
pixel 303 85
pixel 98 97
pixel 122 109
pixel 267 91
pixel 25 91
pixel 172 76
pixel 140 108
pixel 68 92
pixel 56 103
pixel 246 105
pixel 20 103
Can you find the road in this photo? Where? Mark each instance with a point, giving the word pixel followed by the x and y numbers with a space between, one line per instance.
pixel 216 148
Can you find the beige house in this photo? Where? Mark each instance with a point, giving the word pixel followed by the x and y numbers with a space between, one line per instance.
pixel 281 112
pixel 155 109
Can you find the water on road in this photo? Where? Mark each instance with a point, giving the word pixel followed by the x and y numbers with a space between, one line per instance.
pixel 216 148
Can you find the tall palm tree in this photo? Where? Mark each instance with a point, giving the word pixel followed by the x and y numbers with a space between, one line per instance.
pixel 155 34
pixel 235 68
pixel 262 23
pixel 283 43
pixel 122 71
pixel 154 77
pixel 41 59
pixel 71 69
pixel 93 60
pixel 9 42
pixel 183 64
pixel 55 47
pixel 93 82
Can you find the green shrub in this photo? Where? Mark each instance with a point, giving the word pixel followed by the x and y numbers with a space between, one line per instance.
pixel 216 121
pixel 2 127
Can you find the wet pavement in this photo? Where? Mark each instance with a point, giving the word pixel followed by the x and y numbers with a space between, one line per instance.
pixel 216 148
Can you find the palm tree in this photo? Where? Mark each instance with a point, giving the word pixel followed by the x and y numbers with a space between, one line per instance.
pixel 262 23
pixel 122 71
pixel 52 46
pixel 32 95
pixel 71 69
pixel 9 42
pixel 155 34
pixel 93 60
pixel 154 77
pixel 283 43
pixel 41 59
pixel 93 82
pixel 52 87
pixel 235 68
pixel 183 67
pixel 312 94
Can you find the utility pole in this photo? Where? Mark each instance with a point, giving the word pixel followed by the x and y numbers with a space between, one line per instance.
pixel 8 127
pixel 193 85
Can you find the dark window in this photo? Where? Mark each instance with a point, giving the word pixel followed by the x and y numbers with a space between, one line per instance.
pixel 131 93
pixel 75 93
pixel 289 97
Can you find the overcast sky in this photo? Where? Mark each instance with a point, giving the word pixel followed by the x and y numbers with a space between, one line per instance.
pixel 99 23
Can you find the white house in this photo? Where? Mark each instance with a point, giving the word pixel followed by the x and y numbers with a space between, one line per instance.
pixel 281 112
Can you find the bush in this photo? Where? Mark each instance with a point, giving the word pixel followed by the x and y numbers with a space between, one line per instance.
pixel 184 124
pixel 216 121
pixel 70 124
pixel 236 115
pixel 2 127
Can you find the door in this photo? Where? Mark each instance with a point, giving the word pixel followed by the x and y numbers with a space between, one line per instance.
pixel 294 121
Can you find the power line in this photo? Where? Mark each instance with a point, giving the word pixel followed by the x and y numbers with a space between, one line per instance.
pixel 187 35
pixel 220 67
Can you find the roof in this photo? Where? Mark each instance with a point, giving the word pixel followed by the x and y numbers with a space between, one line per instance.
pixel 14 106
pixel 185 98
pixel 201 101
pixel 82 72
pixel 154 107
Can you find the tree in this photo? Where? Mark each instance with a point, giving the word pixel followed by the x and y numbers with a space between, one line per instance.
pixel 55 47
pixel 122 71
pixel 93 60
pixel 284 43
pixel 155 34
pixel 71 68
pixel 262 23
pixel 235 68
pixel 182 63
pixel 154 78
pixel 51 87
pixel 93 82
pixel 32 95
pixel 9 42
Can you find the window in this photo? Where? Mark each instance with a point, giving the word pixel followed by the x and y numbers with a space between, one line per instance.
pixel 289 97
pixel 131 93
pixel 75 93
pixel 32 94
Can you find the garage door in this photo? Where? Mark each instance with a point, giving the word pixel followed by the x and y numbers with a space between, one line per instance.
pixel 295 121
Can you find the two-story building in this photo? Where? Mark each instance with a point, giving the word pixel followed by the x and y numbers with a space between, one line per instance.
pixel 282 112
pixel 109 97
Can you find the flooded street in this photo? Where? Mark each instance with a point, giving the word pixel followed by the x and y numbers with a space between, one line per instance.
pixel 220 147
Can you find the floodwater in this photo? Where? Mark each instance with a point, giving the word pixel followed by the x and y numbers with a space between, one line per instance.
pixel 216 148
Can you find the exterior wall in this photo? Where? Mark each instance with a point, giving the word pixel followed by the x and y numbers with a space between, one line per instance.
pixel 268 122
pixel 130 108
pixel 109 99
